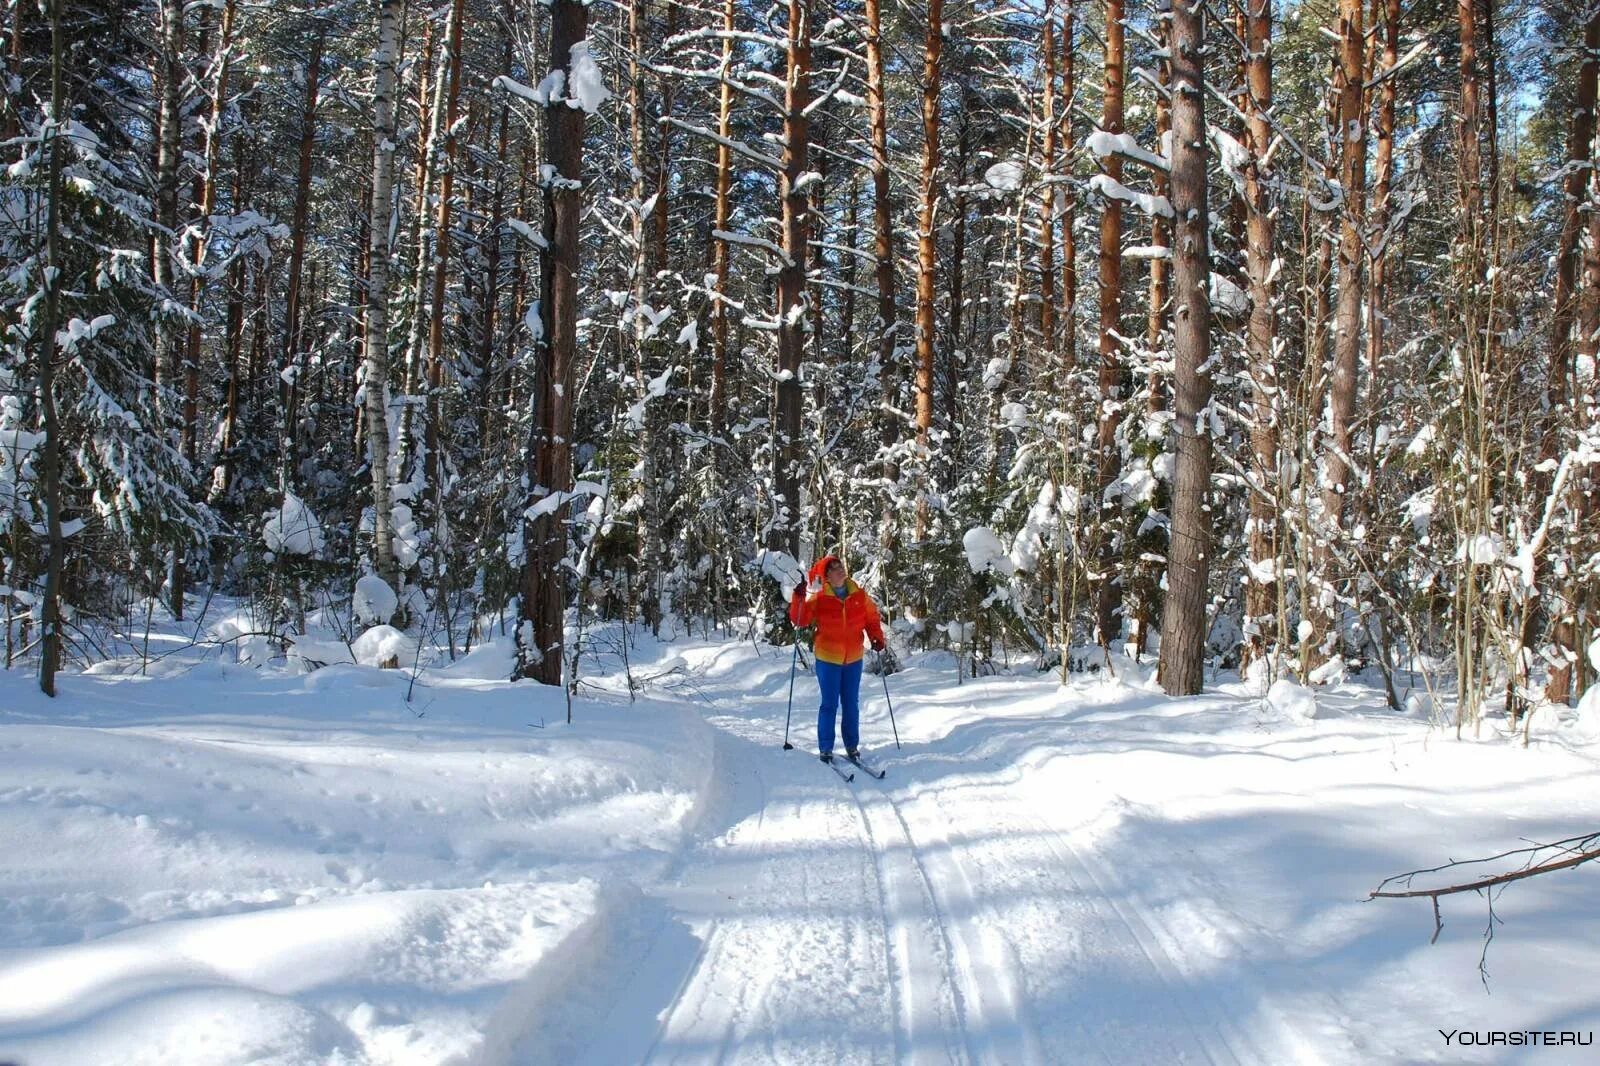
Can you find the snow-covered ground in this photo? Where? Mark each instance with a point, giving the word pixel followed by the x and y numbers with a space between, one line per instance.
pixel 231 864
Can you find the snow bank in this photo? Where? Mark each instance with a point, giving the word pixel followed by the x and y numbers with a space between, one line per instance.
pixel 1586 721
pixel 340 980
pixel 382 645
pixel 490 661
pixel 240 632
pixel 1292 700
pixel 274 868
pixel 313 653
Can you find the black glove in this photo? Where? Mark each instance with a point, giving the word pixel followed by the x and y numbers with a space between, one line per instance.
pixel 878 645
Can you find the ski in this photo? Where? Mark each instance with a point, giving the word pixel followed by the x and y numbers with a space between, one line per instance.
pixel 836 768
pixel 870 771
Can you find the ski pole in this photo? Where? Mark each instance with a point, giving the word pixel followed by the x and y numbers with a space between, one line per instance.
pixel 793 662
pixel 885 679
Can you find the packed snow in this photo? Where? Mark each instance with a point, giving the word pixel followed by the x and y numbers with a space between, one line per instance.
pixel 293 529
pixel 588 88
pixel 1005 176
pixel 1112 189
pixel 218 858
pixel 374 601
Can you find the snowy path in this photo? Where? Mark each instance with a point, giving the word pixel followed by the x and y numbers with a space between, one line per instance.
pixel 944 915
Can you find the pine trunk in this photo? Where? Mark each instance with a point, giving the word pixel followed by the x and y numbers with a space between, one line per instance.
pixel 1069 217
pixel 1262 582
pixel 169 157
pixel 1107 576
pixel 1047 206
pixel 50 472
pixel 208 203
pixel 883 238
pixel 486 403
pixel 927 252
pixel 541 640
pixel 657 259
pixel 1560 388
pixel 1156 321
pixel 719 312
pixel 1183 616
pixel 297 237
pixel 1336 473
pixel 792 282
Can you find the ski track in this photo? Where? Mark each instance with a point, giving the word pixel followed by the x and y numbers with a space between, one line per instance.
pixel 929 993
pixel 1116 909
pixel 878 927
pixel 984 962
pixel 758 968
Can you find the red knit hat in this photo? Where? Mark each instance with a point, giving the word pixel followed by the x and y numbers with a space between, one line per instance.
pixel 819 569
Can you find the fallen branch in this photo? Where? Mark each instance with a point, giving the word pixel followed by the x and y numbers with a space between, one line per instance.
pixel 1574 851
pixel 1573 857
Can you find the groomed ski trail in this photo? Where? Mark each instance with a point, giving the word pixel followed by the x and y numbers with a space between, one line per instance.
pixel 898 921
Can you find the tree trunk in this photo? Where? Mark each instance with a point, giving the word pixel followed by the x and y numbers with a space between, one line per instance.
pixel 1582 597
pixel 927 251
pixel 491 276
pixel 297 242
pixel 1262 587
pixel 819 259
pixel 1183 617
pixel 222 476
pixel 719 306
pixel 1069 218
pixel 164 239
pixel 1561 380
pixel 884 237
pixel 1471 123
pixel 657 259
pixel 1148 544
pixel 1107 579
pixel 958 284
pixel 950 358
pixel 792 282
pixel 1156 320
pixel 847 308
pixel 1336 469
pixel 169 157
pixel 430 113
pixel 376 380
pixel 541 641
pixel 1383 186
pixel 11 103
pixel 55 544
pixel 441 259
pixel 208 204
pixel 1047 206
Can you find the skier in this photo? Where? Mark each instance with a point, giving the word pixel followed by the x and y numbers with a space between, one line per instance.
pixel 842 611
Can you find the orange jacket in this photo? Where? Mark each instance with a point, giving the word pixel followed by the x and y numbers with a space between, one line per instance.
pixel 839 623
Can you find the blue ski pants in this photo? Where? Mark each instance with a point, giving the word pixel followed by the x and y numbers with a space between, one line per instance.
pixel 839 682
